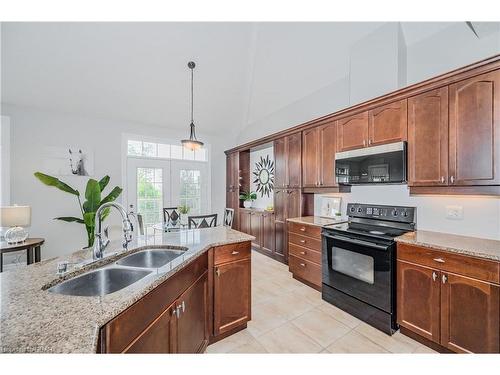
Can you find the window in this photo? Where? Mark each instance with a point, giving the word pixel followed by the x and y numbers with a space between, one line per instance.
pixel 164 151
pixel 150 195
pixel 190 191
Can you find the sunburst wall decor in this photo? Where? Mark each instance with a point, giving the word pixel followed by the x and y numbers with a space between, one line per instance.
pixel 264 176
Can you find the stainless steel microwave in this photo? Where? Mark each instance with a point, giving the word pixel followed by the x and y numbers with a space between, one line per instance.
pixel 372 165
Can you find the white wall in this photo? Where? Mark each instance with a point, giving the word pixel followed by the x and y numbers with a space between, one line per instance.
pixel 255 155
pixel 4 161
pixel 33 130
pixel 481 215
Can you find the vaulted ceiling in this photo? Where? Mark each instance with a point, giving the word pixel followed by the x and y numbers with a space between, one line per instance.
pixel 138 71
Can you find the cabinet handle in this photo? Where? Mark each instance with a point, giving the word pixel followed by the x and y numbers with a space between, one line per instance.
pixel 303 252
pixel 442 179
pixel 369 141
pixel 183 306
pixel 303 229
pixel 452 179
pixel 217 272
pixel 439 260
pixel 434 276
pixel 444 279
pixel 364 142
pixel 302 241
pixel 302 264
pixel 235 253
pixel 177 312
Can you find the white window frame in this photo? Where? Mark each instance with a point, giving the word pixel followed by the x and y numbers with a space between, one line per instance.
pixel 135 137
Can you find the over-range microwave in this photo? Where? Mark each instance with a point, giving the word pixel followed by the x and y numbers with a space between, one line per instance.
pixel 372 165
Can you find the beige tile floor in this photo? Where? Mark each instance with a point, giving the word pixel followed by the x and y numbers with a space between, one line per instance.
pixel 290 317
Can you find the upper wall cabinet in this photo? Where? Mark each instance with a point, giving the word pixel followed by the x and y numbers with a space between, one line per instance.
pixel 428 138
pixel 387 124
pixel 288 164
pixel 352 132
pixel 475 131
pixel 318 156
pixel 384 124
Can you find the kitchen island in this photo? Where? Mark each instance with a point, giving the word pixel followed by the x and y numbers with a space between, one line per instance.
pixel 33 319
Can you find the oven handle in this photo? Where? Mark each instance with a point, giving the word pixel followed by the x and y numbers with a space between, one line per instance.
pixel 357 242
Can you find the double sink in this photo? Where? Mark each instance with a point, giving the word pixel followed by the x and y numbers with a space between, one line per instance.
pixel 125 272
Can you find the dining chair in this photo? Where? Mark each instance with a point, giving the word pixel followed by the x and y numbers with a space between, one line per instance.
pixel 228 217
pixel 171 214
pixel 202 221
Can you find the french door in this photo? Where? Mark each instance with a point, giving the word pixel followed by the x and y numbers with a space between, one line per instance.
pixel 155 184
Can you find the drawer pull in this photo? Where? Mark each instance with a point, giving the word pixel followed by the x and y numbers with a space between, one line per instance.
pixel 302 241
pixel 439 260
pixel 217 271
pixel 302 264
pixel 434 276
pixel 444 279
pixel 235 253
pixel 303 252
pixel 303 229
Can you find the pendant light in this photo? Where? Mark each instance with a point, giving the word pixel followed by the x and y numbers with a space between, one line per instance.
pixel 192 143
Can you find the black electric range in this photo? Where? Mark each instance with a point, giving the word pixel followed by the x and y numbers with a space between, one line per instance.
pixel 359 262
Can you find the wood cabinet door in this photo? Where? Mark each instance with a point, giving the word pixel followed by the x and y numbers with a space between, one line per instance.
pixel 469 314
pixel 281 242
pixel 268 240
pixel 294 160
pixel 192 323
pixel 159 337
pixel 256 228
pixel 388 123
pixel 280 177
pixel 231 295
pixel 310 158
pixel 475 131
pixel 232 171
pixel 280 198
pixel 245 221
pixel 418 299
pixel 428 138
pixel 352 132
pixel 327 148
pixel 293 203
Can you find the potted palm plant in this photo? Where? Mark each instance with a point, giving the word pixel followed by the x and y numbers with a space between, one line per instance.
pixel 248 198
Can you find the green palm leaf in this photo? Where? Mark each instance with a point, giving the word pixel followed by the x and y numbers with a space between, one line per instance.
pixel 55 182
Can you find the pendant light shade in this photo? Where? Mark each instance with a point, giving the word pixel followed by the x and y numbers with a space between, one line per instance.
pixel 192 143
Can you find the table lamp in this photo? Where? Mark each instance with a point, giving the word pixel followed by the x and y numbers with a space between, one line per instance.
pixel 16 218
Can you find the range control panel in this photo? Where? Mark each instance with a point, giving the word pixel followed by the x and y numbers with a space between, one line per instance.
pixel 392 213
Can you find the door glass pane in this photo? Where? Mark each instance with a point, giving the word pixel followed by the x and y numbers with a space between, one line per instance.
pixel 150 195
pixel 190 190
pixel 149 149
pixel 359 266
pixel 163 151
pixel 176 152
pixel 134 148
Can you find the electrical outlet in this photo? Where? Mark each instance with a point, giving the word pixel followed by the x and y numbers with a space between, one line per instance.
pixel 455 212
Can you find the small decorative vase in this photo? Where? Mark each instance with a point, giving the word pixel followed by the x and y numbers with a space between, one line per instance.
pixel 247 204
pixel 184 219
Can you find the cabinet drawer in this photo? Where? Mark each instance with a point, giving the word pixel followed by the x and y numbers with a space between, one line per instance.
pixel 304 253
pixel 229 253
pixel 310 243
pixel 306 230
pixel 481 269
pixel 305 270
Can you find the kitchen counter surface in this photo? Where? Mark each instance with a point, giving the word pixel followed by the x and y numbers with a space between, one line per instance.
pixel 36 320
pixel 316 220
pixel 473 246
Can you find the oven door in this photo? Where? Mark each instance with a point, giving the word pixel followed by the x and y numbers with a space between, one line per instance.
pixel 359 268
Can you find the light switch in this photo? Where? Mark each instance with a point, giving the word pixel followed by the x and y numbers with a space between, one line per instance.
pixel 455 212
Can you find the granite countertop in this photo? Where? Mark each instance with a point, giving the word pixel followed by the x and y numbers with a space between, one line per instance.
pixel 36 320
pixel 316 220
pixel 473 246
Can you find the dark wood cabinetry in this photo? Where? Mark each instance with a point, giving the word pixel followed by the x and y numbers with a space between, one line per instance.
pixel 260 224
pixel 318 156
pixel 232 185
pixel 449 299
pixel 288 166
pixel 475 130
pixel 428 138
pixel 268 232
pixel 287 204
pixel 232 288
pixel 352 132
pixel 388 123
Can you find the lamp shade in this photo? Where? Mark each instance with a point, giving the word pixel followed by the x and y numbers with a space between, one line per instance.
pixel 12 216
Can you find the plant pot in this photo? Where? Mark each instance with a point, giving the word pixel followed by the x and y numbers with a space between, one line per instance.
pixel 247 204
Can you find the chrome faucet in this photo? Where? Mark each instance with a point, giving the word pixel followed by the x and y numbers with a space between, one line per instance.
pixel 99 243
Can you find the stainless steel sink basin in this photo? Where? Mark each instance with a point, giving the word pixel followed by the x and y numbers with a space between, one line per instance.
pixel 153 258
pixel 100 282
